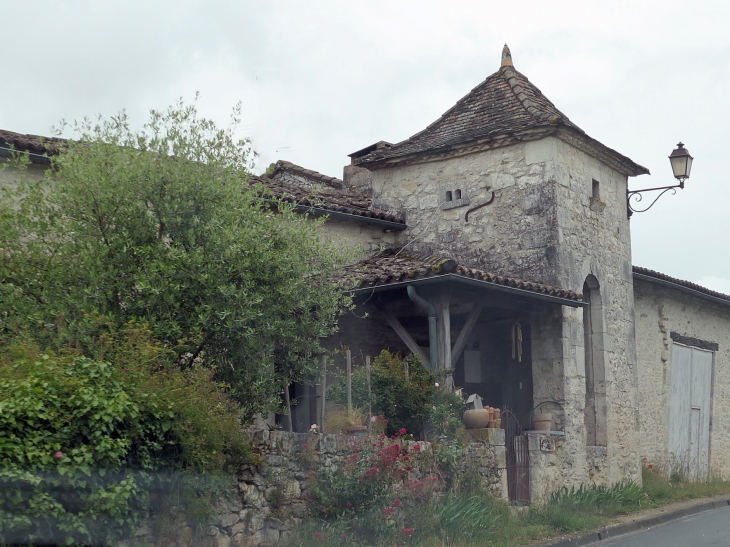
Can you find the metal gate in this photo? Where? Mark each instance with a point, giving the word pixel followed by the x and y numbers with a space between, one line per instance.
pixel 518 458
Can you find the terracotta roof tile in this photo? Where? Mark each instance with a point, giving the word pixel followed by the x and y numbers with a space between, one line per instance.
pixel 395 266
pixel 35 144
pixel 505 104
pixel 328 200
pixel 287 166
pixel 680 282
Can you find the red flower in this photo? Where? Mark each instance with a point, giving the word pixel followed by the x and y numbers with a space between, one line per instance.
pixel 370 473
pixel 388 512
pixel 382 436
pixel 408 532
pixel 322 508
pixel 313 473
pixel 402 431
pixel 409 467
pixel 349 505
pixel 432 479
pixel 396 502
pixel 417 447
pixel 343 537
pixel 318 535
pixel 651 466
pixel 406 458
pixel 386 422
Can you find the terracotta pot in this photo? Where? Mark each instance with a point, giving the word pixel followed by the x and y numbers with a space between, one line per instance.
pixel 492 424
pixel 497 414
pixel 542 422
pixel 477 418
pixel 491 413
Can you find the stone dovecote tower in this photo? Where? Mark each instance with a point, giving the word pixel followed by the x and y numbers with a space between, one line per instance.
pixel 506 182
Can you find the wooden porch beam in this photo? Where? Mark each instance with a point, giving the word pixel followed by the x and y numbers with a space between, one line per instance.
pixel 407 338
pixel 471 320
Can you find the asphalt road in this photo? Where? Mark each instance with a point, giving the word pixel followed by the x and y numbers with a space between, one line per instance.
pixel 704 529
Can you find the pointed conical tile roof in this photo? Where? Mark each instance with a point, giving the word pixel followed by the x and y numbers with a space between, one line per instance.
pixel 505 104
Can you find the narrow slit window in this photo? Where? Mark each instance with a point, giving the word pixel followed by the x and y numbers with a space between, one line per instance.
pixel 457 194
pixel 596 189
pixel 449 196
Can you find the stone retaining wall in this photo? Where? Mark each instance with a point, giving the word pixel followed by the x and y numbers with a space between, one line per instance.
pixel 272 499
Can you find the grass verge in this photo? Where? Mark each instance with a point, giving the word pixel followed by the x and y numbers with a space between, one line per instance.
pixel 475 518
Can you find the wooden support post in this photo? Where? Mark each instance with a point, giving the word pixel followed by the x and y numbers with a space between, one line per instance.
pixel 370 408
pixel 443 313
pixel 348 354
pixel 324 391
pixel 287 400
pixel 407 339
pixel 471 320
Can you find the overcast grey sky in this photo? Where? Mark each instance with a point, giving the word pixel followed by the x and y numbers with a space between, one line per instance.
pixel 321 79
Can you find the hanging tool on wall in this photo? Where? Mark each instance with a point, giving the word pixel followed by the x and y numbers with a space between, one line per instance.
pixel 517 341
pixel 466 216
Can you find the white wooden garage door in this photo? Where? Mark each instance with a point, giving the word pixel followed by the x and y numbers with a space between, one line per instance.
pixel 689 413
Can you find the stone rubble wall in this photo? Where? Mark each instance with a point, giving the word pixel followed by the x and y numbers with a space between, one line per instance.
pixel 272 499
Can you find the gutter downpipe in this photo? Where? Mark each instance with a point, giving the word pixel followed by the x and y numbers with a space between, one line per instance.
pixel 432 333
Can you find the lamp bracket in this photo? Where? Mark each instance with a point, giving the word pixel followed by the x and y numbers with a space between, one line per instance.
pixel 637 197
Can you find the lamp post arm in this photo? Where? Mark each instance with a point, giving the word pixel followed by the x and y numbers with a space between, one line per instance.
pixel 636 195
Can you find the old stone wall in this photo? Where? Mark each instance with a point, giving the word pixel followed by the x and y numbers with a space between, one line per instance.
pixel 558 216
pixel 367 237
pixel 661 310
pixel 594 239
pixel 510 236
pixel 271 500
pixel 9 176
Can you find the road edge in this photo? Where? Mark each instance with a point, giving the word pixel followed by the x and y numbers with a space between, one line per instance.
pixel 617 530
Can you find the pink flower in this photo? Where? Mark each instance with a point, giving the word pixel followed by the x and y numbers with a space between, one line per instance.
pixel 396 502
pixel 370 473
pixel 402 431
pixel 59 455
pixel 318 535
pixel 313 473
pixel 432 479
pixel 409 467
pixel 322 508
pixel 386 422
pixel 349 505
pixel 406 458
pixel 388 512
pixel 343 537
pixel 305 445
pixel 408 532
pixel 382 436
pixel 417 447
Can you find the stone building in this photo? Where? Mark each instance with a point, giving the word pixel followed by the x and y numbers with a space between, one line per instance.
pixel 497 248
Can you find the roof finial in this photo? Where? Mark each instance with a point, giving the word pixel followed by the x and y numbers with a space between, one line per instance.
pixel 506 56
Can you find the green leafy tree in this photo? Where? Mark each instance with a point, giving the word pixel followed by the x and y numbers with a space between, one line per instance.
pixel 164 225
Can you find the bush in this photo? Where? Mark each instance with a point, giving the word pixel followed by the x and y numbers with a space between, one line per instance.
pixel 165 225
pixel 83 441
pixel 405 403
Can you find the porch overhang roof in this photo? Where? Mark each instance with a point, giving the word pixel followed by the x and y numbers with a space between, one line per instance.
pixel 395 269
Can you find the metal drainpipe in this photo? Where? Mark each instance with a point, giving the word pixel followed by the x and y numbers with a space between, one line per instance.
pixel 432 334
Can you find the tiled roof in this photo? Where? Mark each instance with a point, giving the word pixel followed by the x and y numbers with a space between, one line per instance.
pixel 287 166
pixel 505 104
pixel 681 283
pixel 329 200
pixel 398 266
pixel 35 144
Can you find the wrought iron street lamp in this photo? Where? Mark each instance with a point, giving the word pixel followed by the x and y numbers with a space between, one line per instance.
pixel 681 166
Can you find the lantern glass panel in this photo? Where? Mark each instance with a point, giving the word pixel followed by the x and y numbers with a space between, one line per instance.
pixel 679 166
